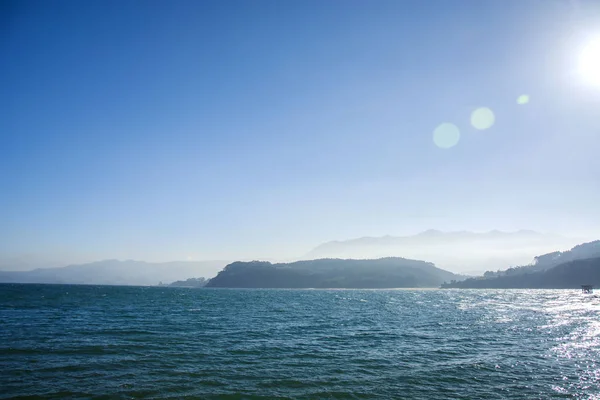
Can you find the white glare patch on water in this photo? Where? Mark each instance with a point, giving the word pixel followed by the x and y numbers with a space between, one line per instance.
pixel 482 118
pixel 446 135
pixel 560 390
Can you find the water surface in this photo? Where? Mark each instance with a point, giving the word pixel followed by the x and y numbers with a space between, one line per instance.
pixel 148 342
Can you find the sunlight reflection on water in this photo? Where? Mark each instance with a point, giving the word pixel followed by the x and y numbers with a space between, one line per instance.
pixel 434 344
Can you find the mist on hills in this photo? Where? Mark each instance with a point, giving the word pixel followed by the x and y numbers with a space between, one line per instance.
pixel 460 252
pixel 115 272
pixel 557 270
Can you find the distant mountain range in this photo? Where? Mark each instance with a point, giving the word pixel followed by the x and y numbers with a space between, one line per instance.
pixel 464 252
pixel 115 272
pixel 558 270
pixel 332 273
pixel 386 261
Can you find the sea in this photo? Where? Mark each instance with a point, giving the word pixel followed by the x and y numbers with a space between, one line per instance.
pixel 110 342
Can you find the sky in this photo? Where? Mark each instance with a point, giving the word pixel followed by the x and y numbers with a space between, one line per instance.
pixel 172 130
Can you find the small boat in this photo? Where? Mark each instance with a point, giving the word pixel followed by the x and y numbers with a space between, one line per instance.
pixel 587 288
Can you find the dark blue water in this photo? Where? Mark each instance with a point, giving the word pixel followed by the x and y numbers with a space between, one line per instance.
pixel 135 342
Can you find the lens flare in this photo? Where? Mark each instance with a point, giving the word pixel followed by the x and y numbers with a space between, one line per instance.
pixel 446 135
pixel 523 99
pixel 482 118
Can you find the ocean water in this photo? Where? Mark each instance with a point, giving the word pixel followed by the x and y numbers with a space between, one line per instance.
pixel 149 342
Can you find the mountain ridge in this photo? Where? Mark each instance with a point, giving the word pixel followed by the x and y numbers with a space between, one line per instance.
pixel 116 272
pixel 459 251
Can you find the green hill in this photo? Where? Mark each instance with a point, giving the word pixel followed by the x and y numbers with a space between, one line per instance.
pixel 332 273
pixel 569 275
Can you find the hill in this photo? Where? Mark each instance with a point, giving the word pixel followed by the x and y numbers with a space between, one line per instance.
pixel 332 273
pixel 570 275
pixel 568 269
pixel 189 283
pixel 115 272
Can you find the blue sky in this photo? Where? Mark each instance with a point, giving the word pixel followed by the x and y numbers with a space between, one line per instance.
pixel 248 129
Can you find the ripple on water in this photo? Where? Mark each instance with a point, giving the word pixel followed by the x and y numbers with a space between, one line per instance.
pixel 127 342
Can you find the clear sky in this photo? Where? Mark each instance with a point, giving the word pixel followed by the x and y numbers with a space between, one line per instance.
pixel 163 130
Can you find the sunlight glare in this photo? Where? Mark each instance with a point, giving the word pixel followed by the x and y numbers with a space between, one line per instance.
pixel 589 62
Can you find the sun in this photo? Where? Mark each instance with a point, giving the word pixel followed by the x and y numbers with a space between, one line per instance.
pixel 589 62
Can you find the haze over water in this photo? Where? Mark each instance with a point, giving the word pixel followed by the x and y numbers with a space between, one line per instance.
pixel 148 342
